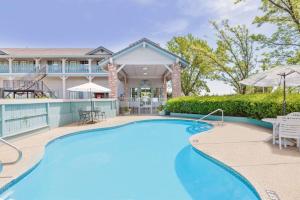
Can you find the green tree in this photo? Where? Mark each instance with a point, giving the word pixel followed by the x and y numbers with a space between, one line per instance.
pixel 284 44
pixel 233 60
pixel 193 76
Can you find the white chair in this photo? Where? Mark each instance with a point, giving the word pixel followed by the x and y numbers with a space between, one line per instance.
pixel 276 128
pixel 294 115
pixel 289 128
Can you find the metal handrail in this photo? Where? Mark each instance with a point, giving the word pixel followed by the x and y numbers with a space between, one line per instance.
pixel 15 148
pixel 213 112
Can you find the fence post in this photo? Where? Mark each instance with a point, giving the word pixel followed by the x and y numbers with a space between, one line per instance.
pixel 48 114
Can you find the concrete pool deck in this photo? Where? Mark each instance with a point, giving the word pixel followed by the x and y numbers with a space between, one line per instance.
pixel 241 146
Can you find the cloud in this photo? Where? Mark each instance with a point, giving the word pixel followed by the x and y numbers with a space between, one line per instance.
pixel 220 9
pixel 174 26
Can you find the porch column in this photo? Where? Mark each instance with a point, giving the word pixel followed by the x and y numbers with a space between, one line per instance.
pixel 164 88
pixel 63 65
pixel 113 80
pixel 90 65
pixel 126 95
pixel 176 80
pixel 64 78
pixel 37 63
pixel 10 64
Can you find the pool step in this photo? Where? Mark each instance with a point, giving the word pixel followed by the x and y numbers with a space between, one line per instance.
pixel 7 196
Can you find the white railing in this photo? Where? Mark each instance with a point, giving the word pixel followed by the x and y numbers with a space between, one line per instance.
pixel 139 106
pixel 15 148
pixel 213 112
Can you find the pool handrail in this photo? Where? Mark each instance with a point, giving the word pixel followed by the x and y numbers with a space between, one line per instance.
pixel 15 148
pixel 213 112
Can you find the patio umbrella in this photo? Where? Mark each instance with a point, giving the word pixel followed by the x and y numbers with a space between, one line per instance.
pixel 90 88
pixel 287 76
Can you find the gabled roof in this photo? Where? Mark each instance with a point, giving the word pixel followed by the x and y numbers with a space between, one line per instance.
pixel 48 52
pixel 2 53
pixel 100 49
pixel 145 41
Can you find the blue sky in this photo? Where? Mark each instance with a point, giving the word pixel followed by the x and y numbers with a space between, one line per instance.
pixel 115 23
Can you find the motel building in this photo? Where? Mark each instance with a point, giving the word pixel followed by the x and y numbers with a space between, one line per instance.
pixel 137 75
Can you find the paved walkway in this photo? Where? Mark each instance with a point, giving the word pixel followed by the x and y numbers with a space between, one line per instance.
pixel 241 146
pixel 246 149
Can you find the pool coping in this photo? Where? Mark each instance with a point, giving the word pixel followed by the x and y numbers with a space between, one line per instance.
pixel 252 186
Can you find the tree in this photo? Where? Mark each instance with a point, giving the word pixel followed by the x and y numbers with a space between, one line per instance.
pixel 284 43
pixel 193 76
pixel 233 60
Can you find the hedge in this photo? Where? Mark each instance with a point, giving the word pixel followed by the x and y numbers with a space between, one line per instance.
pixel 256 106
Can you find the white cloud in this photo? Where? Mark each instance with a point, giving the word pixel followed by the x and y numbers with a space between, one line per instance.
pixel 220 9
pixel 174 26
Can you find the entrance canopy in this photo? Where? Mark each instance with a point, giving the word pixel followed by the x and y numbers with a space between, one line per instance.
pixel 143 61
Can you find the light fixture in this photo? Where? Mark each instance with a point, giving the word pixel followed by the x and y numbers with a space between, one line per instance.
pixel 145 73
pixel 145 68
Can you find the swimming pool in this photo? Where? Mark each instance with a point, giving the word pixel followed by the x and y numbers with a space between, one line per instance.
pixel 146 160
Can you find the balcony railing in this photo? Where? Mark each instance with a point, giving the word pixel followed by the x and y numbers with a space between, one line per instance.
pixel 97 69
pixel 77 69
pixel 55 69
pixel 51 69
pixel 29 68
pixel 4 68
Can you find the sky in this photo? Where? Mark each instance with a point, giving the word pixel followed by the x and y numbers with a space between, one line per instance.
pixel 115 24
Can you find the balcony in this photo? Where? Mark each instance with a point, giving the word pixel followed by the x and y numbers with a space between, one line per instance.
pixel 77 68
pixel 98 69
pixel 54 69
pixel 28 68
pixel 4 68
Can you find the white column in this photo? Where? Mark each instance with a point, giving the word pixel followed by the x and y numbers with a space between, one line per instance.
pixel 63 65
pixel 90 78
pixel 90 66
pixel 37 63
pixel 10 63
pixel 64 78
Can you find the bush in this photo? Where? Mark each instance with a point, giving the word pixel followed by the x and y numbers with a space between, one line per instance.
pixel 256 106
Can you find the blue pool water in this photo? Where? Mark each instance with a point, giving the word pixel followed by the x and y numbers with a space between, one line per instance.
pixel 148 160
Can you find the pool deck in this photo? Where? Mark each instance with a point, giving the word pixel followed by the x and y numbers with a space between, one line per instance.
pixel 241 146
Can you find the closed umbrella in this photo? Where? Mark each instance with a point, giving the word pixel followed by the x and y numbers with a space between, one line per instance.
pixel 286 75
pixel 90 88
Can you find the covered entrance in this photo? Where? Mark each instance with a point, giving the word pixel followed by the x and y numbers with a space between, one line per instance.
pixel 139 76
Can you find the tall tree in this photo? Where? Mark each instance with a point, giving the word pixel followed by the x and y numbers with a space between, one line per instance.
pixel 284 43
pixel 193 76
pixel 233 60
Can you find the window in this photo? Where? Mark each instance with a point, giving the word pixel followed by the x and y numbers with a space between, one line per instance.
pixel 134 93
pixel 84 62
pixel 52 62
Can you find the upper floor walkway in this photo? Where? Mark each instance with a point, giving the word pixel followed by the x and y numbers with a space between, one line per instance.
pixel 55 70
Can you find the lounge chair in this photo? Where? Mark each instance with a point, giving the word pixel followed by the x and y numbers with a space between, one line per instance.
pixel 289 128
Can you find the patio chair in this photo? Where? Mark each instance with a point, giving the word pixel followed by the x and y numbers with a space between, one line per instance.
pixel 84 117
pixel 99 113
pixel 289 128
pixel 293 115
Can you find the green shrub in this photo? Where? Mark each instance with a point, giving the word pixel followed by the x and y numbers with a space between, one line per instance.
pixel 256 106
